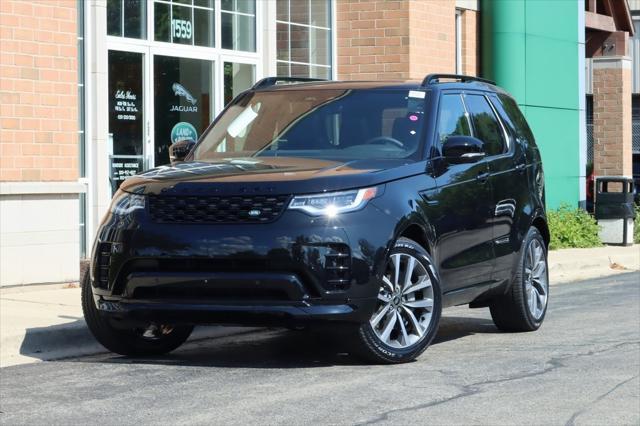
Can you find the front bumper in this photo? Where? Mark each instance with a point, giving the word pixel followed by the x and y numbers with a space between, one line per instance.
pixel 297 269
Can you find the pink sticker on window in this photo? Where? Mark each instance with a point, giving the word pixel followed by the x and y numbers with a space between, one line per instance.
pixel 413 117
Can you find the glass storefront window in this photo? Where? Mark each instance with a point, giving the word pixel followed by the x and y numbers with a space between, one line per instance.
pixel 127 18
pixel 126 119
pixel 183 98
pixel 238 20
pixel 237 79
pixel 184 22
pixel 303 37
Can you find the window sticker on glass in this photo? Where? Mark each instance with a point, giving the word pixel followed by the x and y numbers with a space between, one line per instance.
pixel 416 94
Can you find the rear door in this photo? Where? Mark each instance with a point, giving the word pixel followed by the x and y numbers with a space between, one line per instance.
pixel 507 177
pixel 461 212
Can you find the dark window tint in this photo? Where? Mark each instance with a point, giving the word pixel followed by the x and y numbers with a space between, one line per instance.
pixel 343 124
pixel 485 124
pixel 452 119
pixel 126 18
pixel 515 116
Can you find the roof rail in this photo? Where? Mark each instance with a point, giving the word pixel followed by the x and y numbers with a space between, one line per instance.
pixel 272 81
pixel 435 78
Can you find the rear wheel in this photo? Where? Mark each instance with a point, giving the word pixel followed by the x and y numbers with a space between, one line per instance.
pixel 408 309
pixel 147 339
pixel 524 307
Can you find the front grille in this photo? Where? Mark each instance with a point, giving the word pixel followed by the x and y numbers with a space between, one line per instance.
pixel 216 209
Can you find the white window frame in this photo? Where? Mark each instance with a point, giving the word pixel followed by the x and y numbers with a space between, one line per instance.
pixel 150 47
pixel 458 41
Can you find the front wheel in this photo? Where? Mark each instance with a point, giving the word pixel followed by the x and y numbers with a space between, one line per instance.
pixel 148 339
pixel 524 306
pixel 408 308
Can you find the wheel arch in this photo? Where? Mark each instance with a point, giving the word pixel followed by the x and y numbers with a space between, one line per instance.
pixel 540 223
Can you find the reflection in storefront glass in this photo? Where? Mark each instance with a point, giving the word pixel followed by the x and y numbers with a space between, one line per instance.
pixel 237 78
pixel 182 99
pixel 127 18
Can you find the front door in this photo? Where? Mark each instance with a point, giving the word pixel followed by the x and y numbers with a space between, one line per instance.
pixel 183 101
pixel 461 203
pixel 127 115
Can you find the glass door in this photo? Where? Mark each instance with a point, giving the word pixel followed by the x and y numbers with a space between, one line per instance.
pixel 126 115
pixel 183 101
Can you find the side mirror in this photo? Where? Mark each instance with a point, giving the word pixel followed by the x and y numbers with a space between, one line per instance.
pixel 179 150
pixel 463 149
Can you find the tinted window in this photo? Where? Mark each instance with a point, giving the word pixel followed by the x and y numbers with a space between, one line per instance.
pixel 515 116
pixel 344 124
pixel 485 124
pixel 452 119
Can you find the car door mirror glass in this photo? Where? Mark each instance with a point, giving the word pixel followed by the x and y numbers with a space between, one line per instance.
pixel 463 149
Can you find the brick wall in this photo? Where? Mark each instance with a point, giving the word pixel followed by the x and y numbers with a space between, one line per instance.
pixel 470 42
pixel 372 39
pixel 612 117
pixel 38 90
pixel 432 37
pixel 400 39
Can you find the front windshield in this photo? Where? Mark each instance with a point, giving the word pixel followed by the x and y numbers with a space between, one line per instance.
pixel 333 124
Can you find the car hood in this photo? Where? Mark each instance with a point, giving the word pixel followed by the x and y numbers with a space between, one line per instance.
pixel 271 175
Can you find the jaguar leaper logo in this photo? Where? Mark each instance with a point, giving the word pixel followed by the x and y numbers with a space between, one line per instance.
pixel 180 90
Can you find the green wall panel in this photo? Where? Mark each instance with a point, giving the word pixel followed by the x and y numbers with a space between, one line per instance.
pixel 551 73
pixel 551 18
pixel 556 132
pixel 531 49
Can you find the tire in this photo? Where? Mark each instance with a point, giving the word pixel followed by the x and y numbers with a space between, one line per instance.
pixel 513 311
pixel 411 333
pixel 129 342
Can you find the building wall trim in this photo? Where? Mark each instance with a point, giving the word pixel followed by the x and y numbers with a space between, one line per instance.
pixel 468 4
pixel 27 188
pixel 611 62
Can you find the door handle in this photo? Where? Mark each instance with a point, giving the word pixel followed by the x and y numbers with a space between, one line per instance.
pixel 520 167
pixel 482 177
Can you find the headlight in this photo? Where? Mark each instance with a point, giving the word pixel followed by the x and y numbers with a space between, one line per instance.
pixel 333 203
pixel 124 203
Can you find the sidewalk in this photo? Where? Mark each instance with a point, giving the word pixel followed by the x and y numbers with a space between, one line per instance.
pixel 45 322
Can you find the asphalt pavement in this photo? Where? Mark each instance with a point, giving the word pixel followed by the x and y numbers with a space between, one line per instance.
pixel 581 367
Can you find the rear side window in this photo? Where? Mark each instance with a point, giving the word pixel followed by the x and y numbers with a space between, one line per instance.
pixel 517 119
pixel 452 120
pixel 485 124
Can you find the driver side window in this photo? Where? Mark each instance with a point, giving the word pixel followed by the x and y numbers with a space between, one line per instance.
pixel 452 120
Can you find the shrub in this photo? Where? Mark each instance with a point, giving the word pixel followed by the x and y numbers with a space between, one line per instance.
pixel 572 228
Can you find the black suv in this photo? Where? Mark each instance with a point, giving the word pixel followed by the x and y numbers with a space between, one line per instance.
pixel 368 206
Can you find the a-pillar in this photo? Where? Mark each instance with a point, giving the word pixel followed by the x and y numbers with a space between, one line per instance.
pixel 612 116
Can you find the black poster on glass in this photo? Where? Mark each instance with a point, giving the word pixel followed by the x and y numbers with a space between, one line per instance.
pixel 126 102
pixel 182 98
pixel 123 166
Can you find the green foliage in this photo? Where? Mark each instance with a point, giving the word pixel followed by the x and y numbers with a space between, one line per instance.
pixel 572 228
pixel 636 225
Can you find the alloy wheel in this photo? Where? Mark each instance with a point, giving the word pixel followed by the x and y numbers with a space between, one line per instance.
pixel 405 303
pixel 535 279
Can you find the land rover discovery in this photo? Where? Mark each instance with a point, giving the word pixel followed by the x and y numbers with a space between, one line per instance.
pixel 369 206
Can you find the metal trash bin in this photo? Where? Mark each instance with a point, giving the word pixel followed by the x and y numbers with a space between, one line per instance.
pixel 614 209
